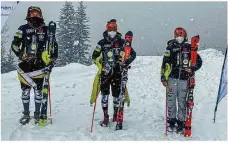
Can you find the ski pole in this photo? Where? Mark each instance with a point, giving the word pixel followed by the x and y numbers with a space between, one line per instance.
pixel 166 107
pixel 49 98
pixel 94 108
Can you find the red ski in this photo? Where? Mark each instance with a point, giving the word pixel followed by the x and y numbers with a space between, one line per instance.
pixel 127 52
pixel 190 103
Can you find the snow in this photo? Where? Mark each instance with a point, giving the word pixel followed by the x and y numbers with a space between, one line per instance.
pixel 76 43
pixel 144 120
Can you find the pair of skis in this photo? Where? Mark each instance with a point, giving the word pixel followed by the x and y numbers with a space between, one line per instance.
pixel 46 84
pixel 124 78
pixel 190 102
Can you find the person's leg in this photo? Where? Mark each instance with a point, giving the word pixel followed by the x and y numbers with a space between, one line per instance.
pixel 181 98
pixel 171 96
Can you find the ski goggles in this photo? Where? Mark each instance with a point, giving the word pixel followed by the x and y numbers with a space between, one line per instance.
pixel 34 13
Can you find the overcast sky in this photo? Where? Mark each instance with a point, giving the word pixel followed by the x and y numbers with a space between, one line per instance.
pixel 152 23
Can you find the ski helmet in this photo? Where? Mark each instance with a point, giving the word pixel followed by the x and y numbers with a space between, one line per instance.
pixel 111 25
pixel 179 31
pixel 34 12
pixel 180 34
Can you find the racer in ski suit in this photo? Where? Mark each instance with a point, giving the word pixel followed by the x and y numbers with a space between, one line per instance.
pixel 175 73
pixel 29 45
pixel 112 51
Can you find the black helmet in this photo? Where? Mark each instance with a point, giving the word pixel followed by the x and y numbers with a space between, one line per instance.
pixel 34 11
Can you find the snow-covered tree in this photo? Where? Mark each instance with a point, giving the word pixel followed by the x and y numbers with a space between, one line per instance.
pixel 66 34
pixel 83 35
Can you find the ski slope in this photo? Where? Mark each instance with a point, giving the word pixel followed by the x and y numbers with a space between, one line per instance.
pixel 144 120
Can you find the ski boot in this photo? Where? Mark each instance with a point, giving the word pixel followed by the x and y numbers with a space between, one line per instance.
pixel 36 116
pixel 180 127
pixel 119 126
pixel 105 122
pixel 171 124
pixel 26 118
pixel 42 121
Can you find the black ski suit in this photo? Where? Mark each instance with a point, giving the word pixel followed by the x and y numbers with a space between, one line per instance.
pixel 28 45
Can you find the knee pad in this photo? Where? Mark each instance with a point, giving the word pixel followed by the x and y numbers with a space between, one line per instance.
pixel 25 95
pixel 38 96
pixel 104 100
pixel 116 102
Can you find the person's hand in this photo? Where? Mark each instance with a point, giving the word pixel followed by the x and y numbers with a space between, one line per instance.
pixel 163 80
pixel 23 56
pixel 164 83
pixel 189 70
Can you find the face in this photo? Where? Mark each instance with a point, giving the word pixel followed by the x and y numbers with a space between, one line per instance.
pixel 112 34
pixel 180 39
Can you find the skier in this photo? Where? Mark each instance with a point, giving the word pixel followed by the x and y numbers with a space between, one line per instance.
pixel 175 75
pixel 112 52
pixel 29 45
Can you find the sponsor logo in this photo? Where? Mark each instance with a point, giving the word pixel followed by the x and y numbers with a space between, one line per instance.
pixel 110 54
pixel 176 49
pixel 30 30
pixel 41 37
pixel 107 45
pixel 185 61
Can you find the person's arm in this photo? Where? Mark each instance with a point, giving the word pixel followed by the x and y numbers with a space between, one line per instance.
pixel 166 66
pixel 16 43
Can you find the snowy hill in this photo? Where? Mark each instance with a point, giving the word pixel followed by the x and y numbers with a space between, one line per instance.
pixel 144 119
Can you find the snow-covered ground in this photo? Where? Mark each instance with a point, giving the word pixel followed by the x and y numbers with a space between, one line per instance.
pixel 144 120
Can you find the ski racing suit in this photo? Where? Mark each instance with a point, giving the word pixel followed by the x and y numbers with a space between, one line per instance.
pixel 29 45
pixel 176 60
pixel 112 55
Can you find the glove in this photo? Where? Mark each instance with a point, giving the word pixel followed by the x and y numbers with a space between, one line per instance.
pixel 189 70
pixel 48 68
pixel 163 80
pixel 164 83
pixel 23 56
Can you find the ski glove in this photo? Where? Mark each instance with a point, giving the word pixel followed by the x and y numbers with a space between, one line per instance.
pixel 164 83
pixel 23 56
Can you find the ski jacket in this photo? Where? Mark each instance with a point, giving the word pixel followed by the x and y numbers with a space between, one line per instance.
pixel 31 42
pixel 112 52
pixel 178 58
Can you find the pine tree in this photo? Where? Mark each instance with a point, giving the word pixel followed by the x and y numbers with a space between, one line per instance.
pixel 83 35
pixel 66 33
pixel 7 58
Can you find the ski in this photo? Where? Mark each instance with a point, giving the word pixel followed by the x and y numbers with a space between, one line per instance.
pixel 124 75
pixel 45 89
pixel 190 102
pixel 51 36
